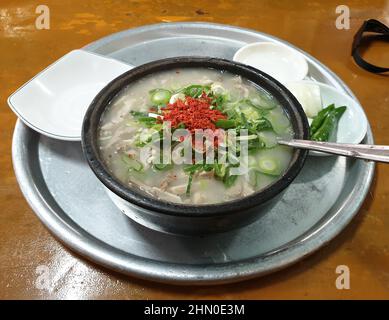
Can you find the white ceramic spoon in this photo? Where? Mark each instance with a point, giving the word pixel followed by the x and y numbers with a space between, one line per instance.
pixel 55 100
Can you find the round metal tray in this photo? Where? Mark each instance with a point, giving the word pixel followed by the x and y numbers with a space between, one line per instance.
pixel 70 201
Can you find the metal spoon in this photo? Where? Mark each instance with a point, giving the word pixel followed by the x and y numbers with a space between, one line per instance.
pixel 360 151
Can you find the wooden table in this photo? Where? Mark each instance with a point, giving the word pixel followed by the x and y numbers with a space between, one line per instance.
pixel 25 244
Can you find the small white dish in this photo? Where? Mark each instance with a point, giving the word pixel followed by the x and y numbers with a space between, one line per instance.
pixel 55 100
pixel 352 126
pixel 279 61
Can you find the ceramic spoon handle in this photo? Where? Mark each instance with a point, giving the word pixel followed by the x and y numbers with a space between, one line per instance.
pixel 360 151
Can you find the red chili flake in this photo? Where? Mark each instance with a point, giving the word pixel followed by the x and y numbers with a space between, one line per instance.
pixel 193 113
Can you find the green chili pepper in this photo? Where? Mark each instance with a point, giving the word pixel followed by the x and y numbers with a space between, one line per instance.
pixel 339 112
pixel 319 119
pixel 329 125
pixel 324 132
pixel 321 116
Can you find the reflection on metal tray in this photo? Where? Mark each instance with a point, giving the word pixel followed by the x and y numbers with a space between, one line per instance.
pixel 67 197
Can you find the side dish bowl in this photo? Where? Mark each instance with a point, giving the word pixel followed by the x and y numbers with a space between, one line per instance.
pixel 184 218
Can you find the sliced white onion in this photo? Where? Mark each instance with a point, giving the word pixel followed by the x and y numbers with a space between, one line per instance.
pixel 308 94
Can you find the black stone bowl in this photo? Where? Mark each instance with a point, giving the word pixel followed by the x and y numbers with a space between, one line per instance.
pixel 183 218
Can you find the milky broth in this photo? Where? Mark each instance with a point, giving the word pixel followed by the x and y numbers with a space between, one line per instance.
pixel 119 134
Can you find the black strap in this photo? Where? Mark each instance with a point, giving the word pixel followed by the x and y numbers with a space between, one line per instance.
pixel 374 26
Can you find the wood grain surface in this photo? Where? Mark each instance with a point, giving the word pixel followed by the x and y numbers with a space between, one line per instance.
pixel 25 244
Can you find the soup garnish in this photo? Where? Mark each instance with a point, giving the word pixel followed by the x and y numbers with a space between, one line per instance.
pixel 195 136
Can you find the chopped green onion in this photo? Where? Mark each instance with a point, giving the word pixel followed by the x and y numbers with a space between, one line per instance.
pixel 225 124
pixel 192 168
pixel 208 167
pixel 278 120
pixel 137 114
pixel 269 138
pixel 133 165
pixel 269 166
pixel 163 166
pixel 147 120
pixel 196 90
pixel 220 170
pixel 219 101
pixel 189 185
pixel 160 96
pixel 256 144
pixel 229 180
pixel 263 124
pixel 253 178
pixel 262 103
pixel 249 137
pixel 143 118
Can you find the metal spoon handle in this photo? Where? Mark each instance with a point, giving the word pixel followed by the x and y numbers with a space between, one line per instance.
pixel 360 151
